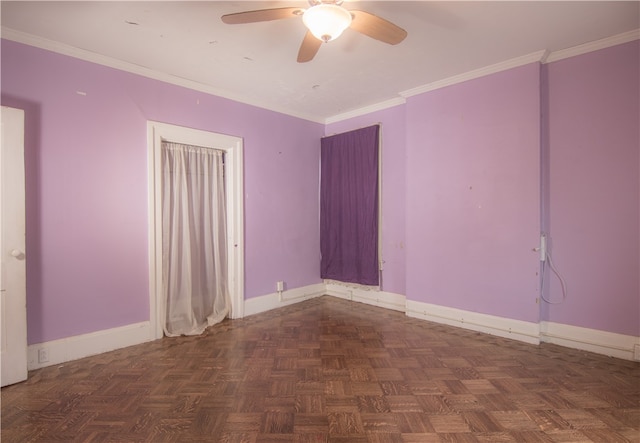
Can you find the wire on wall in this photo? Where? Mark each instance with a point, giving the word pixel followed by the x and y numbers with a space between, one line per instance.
pixel 563 283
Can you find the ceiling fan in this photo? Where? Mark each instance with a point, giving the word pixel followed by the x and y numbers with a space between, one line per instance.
pixel 325 20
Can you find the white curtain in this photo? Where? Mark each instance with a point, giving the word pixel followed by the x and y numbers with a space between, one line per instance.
pixel 194 255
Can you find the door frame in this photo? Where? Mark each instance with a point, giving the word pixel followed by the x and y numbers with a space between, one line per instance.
pixel 232 146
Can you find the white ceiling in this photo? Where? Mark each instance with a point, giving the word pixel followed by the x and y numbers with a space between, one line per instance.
pixel 186 42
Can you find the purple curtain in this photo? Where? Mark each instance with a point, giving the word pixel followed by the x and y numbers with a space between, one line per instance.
pixel 349 206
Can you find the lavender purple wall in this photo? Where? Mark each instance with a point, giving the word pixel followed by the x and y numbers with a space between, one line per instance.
pixel 461 189
pixel 392 122
pixel 473 193
pixel 594 207
pixel 86 196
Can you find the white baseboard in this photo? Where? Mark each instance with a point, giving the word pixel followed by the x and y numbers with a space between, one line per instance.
pixel 268 302
pixel 592 340
pixel 601 342
pixel 86 345
pixel 500 326
pixel 381 299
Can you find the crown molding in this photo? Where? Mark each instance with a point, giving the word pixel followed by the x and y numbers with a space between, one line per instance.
pixel 594 46
pixel 366 110
pixel 543 56
pixel 82 54
pixel 534 57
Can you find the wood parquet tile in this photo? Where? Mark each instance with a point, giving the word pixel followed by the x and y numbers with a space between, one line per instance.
pixel 328 370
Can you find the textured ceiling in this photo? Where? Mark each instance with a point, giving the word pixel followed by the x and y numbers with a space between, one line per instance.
pixel 186 42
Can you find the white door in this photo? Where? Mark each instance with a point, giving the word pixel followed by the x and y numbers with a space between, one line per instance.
pixel 13 318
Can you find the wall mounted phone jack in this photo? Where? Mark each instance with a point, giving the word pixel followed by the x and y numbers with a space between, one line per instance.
pixel 543 247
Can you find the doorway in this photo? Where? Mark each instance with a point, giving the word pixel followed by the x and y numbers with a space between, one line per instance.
pixel 232 148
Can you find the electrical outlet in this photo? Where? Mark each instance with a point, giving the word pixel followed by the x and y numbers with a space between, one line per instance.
pixel 280 286
pixel 43 355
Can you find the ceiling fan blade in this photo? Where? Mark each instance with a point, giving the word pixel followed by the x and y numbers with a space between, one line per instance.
pixel 261 15
pixel 376 27
pixel 308 48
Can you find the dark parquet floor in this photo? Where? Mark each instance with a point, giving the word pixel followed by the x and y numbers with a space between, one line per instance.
pixel 329 370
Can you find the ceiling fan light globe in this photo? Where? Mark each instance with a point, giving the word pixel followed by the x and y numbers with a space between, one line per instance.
pixel 326 21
